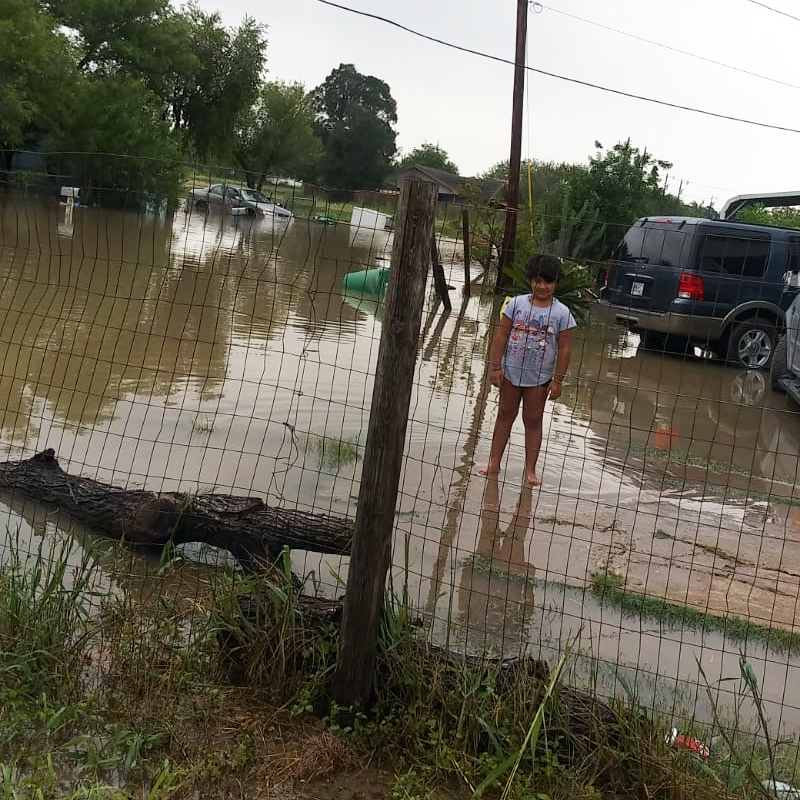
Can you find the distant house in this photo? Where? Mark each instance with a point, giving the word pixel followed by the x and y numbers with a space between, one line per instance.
pixel 451 187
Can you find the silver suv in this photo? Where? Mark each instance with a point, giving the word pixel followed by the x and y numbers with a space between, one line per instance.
pixel 785 369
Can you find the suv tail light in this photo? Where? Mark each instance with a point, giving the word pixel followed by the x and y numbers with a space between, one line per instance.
pixel 608 275
pixel 690 287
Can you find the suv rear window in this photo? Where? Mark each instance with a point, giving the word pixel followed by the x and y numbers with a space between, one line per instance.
pixel 659 244
pixel 734 255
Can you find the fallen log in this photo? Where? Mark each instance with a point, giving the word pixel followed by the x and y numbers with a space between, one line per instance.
pixel 250 530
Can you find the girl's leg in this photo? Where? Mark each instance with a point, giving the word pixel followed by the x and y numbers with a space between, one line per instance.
pixel 533 400
pixel 510 396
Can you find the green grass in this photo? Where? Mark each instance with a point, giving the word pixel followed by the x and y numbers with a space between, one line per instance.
pixel 177 694
pixel 333 453
pixel 553 520
pixel 687 459
pixel 203 423
pixel 483 565
pixel 729 493
pixel 609 587
pixel 714 468
pixel 42 605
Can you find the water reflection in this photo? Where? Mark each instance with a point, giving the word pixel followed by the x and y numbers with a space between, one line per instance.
pixel 496 594
pixel 699 413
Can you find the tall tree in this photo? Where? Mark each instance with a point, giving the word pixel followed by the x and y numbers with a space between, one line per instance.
pixel 207 102
pixel 115 144
pixel 204 74
pixel 582 210
pixel 497 170
pixel 276 134
pixel 144 39
pixel 429 155
pixel 36 73
pixel 354 117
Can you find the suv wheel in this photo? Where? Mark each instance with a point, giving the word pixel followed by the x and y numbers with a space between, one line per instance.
pixel 752 343
pixel 201 206
pixel 779 367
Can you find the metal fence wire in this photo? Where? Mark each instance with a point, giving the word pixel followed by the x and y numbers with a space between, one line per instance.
pixel 193 350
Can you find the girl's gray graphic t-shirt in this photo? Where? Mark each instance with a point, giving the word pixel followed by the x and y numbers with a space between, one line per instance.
pixel 530 356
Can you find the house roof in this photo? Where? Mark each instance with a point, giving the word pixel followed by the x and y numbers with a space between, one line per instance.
pixel 489 186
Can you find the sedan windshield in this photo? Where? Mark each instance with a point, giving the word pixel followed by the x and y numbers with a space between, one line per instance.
pixel 253 196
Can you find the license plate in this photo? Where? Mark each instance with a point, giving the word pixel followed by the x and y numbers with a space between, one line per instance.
pixel 637 289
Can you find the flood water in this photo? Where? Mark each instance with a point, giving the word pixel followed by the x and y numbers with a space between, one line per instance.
pixel 218 354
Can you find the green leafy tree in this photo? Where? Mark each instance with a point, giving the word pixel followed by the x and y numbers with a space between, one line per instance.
pixel 144 39
pixel 277 134
pixel 786 217
pixel 498 170
pixel 206 103
pixel 125 120
pixel 622 183
pixel 582 210
pixel 429 155
pixel 204 74
pixel 36 73
pixel 354 118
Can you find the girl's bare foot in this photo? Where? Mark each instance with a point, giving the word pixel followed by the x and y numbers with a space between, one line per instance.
pixel 533 479
pixel 489 469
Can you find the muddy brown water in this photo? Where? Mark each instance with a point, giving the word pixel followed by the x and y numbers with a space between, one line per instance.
pixel 196 353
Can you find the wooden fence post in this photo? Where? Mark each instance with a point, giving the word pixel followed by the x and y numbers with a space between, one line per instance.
pixel 439 281
pixel 465 235
pixel 380 477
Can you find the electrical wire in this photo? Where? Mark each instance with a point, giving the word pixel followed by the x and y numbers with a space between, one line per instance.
pixel 774 10
pixel 671 48
pixel 575 81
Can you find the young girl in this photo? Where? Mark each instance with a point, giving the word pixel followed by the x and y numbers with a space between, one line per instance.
pixel 528 359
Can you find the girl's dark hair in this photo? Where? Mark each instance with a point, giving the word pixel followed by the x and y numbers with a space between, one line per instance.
pixel 543 266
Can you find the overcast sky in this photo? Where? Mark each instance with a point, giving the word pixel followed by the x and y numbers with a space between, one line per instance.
pixel 463 102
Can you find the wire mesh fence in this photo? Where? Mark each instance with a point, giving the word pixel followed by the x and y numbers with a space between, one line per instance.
pixel 228 345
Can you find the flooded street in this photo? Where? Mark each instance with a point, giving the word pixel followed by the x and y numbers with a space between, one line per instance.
pixel 202 354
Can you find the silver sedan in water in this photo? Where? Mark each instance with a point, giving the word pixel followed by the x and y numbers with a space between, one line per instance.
pixel 237 200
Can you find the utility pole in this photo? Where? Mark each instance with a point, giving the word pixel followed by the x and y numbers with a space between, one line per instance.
pixel 512 208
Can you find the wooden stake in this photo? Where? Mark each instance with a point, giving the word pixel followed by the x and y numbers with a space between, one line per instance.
pixel 439 280
pixel 467 255
pixel 386 433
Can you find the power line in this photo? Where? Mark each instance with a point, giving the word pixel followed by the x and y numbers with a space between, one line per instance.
pixel 555 75
pixel 775 10
pixel 673 49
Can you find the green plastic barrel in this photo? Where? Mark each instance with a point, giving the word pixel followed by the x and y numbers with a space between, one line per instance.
pixel 368 281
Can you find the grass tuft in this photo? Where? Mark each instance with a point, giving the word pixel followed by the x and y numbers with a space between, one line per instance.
pixel 203 423
pixel 44 606
pixel 332 453
pixel 610 587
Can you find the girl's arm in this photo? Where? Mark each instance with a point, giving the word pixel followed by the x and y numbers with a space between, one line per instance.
pixel 562 364
pixel 497 349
